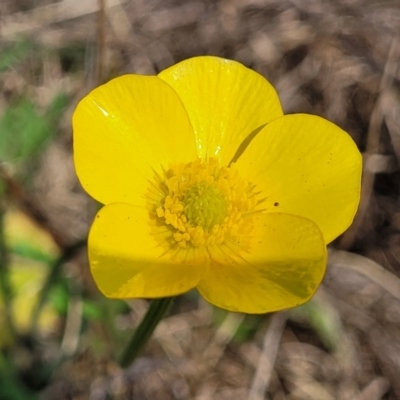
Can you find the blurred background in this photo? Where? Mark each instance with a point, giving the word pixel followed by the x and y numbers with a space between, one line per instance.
pixel 59 337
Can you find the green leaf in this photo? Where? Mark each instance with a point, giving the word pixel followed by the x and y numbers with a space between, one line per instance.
pixel 59 299
pixel 13 55
pixel 23 131
pixel 31 252
pixel 91 310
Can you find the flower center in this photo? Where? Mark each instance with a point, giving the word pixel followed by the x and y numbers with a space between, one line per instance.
pixel 202 203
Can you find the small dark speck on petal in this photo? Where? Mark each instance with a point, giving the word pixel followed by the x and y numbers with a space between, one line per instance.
pixel 276 204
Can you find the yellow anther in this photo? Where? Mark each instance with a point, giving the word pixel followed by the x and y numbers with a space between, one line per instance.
pixel 176 207
pixel 168 202
pixel 178 236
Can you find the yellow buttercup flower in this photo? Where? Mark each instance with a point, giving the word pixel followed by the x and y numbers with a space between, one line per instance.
pixel 207 184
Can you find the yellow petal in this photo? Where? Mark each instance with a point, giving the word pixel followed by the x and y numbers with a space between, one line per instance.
pixel 127 262
pixel 307 166
pixel 124 131
pixel 282 269
pixel 225 102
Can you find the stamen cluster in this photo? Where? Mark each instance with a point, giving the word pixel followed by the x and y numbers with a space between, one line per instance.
pixel 205 203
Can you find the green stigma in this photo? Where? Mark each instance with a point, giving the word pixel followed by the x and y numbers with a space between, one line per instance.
pixel 204 205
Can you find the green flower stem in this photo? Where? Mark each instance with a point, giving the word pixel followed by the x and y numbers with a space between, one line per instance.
pixel 144 331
